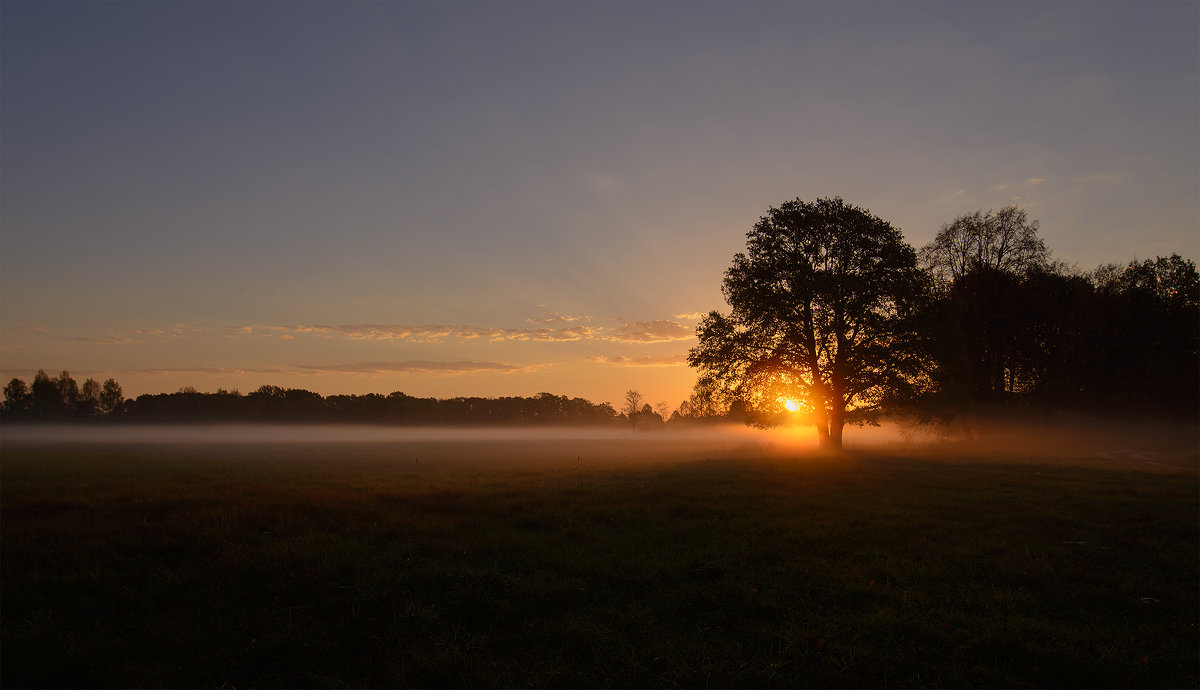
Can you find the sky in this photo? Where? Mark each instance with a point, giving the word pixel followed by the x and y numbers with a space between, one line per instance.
pixel 460 198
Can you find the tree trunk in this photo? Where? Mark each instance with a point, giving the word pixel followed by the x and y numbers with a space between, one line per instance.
pixel 834 441
pixel 837 421
pixel 821 422
pixel 822 434
pixel 829 425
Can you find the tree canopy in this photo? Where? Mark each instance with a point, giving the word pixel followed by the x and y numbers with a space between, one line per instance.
pixel 1005 241
pixel 825 304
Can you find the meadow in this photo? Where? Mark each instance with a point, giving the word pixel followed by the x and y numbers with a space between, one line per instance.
pixel 521 561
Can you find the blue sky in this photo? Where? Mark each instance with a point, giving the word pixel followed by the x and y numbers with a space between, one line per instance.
pixel 505 198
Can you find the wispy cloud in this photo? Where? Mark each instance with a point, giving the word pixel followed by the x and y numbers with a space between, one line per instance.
pixel 431 333
pixel 126 335
pixel 370 331
pixel 631 332
pixel 621 360
pixel 207 371
pixel 110 339
pixel 659 331
pixel 953 196
pixel 550 317
pixel 399 367
pixel 691 315
pixel 573 328
pixel 419 367
pixel 548 334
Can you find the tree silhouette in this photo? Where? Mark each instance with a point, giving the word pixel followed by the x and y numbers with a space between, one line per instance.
pixel 1005 241
pixel 632 406
pixel 47 398
pixel 993 338
pixel 111 397
pixel 18 400
pixel 89 398
pixel 704 402
pixel 1147 338
pixel 825 308
pixel 69 390
pixel 663 408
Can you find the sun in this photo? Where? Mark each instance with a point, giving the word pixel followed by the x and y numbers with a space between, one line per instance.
pixel 791 405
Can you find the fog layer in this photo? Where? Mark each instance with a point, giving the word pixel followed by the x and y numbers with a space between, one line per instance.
pixel 323 433
pixel 1141 444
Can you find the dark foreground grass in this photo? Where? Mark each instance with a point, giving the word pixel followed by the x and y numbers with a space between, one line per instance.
pixel 356 566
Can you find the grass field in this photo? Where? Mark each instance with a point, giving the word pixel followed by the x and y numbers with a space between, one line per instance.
pixel 628 563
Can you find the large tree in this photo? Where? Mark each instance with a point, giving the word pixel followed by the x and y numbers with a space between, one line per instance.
pixel 823 322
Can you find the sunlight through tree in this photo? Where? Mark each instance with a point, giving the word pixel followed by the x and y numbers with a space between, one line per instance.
pixel 825 309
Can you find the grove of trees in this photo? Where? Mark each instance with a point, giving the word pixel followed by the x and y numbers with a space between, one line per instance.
pixel 833 317
pixel 60 398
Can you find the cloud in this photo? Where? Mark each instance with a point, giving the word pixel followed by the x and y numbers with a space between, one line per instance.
pixel 419 367
pixel 110 339
pixel 539 334
pixel 659 331
pixel 126 335
pixel 951 197
pixel 400 367
pixel 621 360
pixel 429 333
pixel 1035 180
pixel 369 331
pixel 208 371
pixel 557 317
pixel 562 334
pixel 691 315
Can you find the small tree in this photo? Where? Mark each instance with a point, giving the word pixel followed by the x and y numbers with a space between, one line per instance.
pixel 89 398
pixel 664 409
pixel 632 406
pixel 111 397
pixel 704 401
pixel 825 304
pixel 17 398
pixel 47 398
pixel 69 390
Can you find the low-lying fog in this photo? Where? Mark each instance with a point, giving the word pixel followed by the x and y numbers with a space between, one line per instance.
pixel 1102 438
pixel 334 433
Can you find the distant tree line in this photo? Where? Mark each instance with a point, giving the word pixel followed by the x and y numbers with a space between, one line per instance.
pixel 60 399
